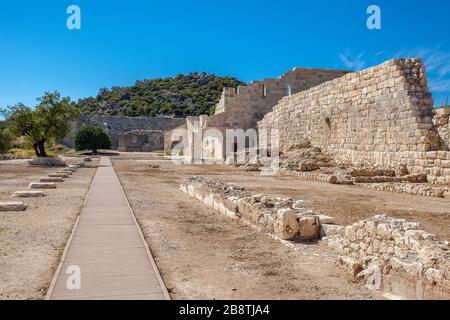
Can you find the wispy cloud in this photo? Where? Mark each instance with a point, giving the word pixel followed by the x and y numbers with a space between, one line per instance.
pixel 436 60
pixel 437 63
pixel 354 63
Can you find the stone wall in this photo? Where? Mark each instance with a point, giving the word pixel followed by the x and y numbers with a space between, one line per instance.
pixel 243 107
pixel 396 256
pixel 141 141
pixel 441 120
pixel 378 116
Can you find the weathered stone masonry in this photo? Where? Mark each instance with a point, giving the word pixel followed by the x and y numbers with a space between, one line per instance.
pixel 392 255
pixel 243 107
pixel 379 116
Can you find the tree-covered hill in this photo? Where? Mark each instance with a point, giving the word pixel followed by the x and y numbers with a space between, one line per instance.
pixel 184 95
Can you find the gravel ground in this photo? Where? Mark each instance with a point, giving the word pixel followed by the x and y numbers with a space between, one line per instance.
pixel 31 242
pixel 202 255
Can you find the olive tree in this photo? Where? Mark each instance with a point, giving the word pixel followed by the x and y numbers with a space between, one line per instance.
pixel 49 122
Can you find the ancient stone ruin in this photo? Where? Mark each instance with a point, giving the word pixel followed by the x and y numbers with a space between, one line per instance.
pixel 373 126
pixel 243 107
pixel 390 255
pixel 381 117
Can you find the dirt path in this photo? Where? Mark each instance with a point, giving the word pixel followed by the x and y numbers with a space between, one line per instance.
pixel 32 241
pixel 202 255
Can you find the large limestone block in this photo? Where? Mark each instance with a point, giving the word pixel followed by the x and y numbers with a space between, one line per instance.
pixel 12 206
pixel 42 185
pixel 46 179
pixel 286 225
pixel 58 175
pixel 309 227
pixel 47 162
pixel 66 172
pixel 29 194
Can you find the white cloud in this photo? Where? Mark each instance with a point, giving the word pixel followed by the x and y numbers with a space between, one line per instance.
pixel 354 63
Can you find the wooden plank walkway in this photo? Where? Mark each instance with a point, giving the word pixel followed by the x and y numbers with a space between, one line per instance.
pixel 108 247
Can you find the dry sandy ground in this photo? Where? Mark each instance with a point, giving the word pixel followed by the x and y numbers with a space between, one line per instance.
pixel 31 242
pixel 202 255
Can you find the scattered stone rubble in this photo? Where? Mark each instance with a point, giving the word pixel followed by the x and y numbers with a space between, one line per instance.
pixel 396 256
pixel 416 189
pixel 391 255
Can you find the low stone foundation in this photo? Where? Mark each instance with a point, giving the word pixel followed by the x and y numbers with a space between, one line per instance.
pixel 416 189
pixel 395 256
pixel 391 255
pixel 282 217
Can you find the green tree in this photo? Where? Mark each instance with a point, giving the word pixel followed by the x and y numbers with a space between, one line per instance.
pixel 91 138
pixel 46 124
pixel 5 140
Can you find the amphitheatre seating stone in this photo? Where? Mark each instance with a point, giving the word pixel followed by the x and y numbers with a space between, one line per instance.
pixel 58 175
pixel 42 185
pixel 29 194
pixel 12 206
pixel 54 179
pixel 47 162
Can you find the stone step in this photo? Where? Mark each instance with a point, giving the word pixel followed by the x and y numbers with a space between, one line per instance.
pixel 46 179
pixel 29 194
pixel 58 175
pixel 12 206
pixel 42 185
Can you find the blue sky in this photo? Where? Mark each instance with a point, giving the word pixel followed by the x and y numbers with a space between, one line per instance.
pixel 123 41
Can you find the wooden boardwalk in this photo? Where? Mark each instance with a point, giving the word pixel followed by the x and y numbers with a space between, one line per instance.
pixel 109 249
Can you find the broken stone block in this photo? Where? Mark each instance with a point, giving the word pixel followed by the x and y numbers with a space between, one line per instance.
pixel 351 265
pixel 12 206
pixel 42 185
pixel 286 225
pixel 51 179
pixel 309 227
pixel 29 194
